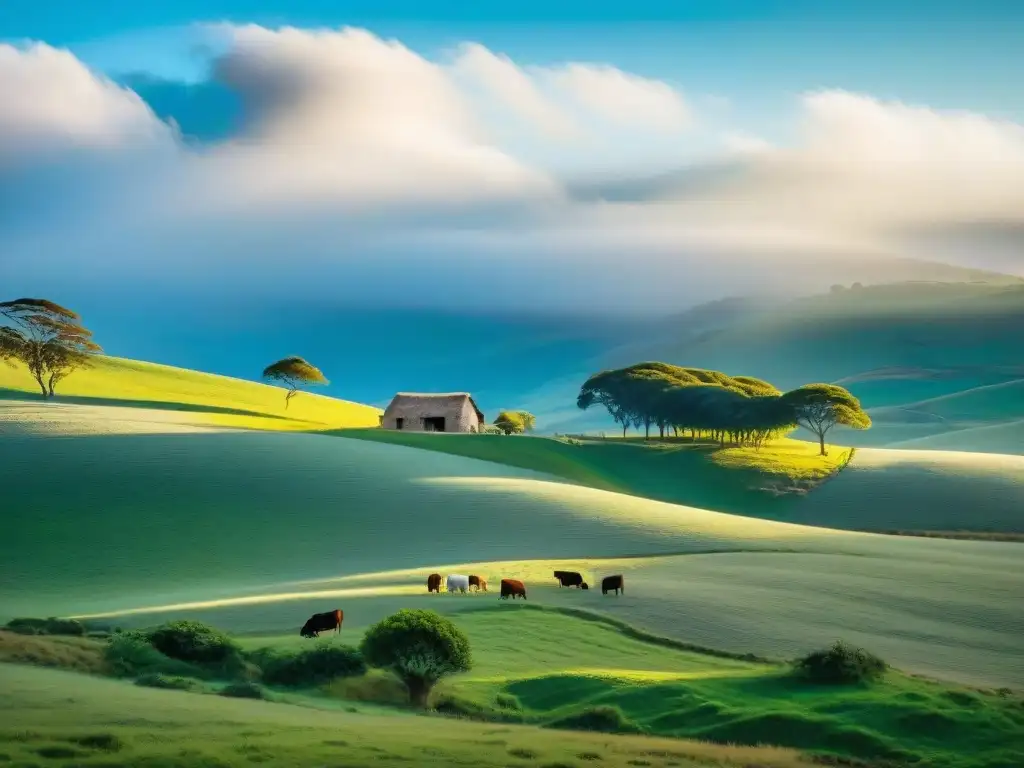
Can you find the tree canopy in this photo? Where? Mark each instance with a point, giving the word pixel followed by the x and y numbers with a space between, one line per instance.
pixel 47 338
pixel 293 373
pixel 819 407
pixel 741 409
pixel 420 647
pixel 515 422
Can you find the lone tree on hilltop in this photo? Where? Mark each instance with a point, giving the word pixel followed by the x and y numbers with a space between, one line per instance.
pixel 293 373
pixel 515 422
pixel 419 646
pixel 47 338
pixel 819 407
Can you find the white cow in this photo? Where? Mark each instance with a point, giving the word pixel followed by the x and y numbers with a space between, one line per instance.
pixel 457 582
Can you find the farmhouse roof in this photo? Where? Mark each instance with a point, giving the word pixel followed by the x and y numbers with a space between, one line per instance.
pixel 448 398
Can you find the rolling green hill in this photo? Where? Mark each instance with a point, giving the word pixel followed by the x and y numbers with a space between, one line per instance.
pixel 254 530
pixel 878 490
pixel 117 724
pixel 550 667
pixel 210 400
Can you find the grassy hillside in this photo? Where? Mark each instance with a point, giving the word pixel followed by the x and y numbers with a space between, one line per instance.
pixel 544 666
pixel 209 399
pixel 256 530
pixel 106 728
pixel 879 490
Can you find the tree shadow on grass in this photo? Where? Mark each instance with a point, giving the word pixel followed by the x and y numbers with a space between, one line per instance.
pixel 159 405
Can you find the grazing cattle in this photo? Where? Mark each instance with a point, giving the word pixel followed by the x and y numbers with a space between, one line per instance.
pixel 322 622
pixel 457 582
pixel 479 583
pixel 584 585
pixel 434 583
pixel 608 583
pixel 568 579
pixel 512 587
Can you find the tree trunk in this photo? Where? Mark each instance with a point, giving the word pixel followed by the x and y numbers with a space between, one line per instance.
pixel 647 430
pixel 42 386
pixel 821 441
pixel 419 690
pixel 624 428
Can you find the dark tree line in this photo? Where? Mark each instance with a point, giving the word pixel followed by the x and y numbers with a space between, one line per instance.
pixel 712 405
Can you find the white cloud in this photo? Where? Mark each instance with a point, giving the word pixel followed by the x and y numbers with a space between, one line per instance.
pixel 621 97
pixel 360 152
pixel 52 102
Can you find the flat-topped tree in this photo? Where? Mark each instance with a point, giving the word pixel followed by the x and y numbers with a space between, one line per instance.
pixel 819 407
pixel 293 373
pixel 47 338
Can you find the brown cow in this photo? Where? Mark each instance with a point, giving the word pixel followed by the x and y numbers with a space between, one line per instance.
pixel 478 582
pixel 512 587
pixel 608 583
pixel 322 622
pixel 434 583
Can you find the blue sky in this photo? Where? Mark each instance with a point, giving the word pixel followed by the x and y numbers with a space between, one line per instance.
pixel 945 53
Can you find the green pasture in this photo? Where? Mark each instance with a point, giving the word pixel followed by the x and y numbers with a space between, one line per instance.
pixel 198 398
pixel 116 724
pixel 545 667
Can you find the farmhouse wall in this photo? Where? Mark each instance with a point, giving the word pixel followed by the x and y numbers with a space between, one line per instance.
pixel 457 410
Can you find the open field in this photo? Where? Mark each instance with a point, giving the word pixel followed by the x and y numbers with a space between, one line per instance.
pixel 879 490
pixel 540 665
pixel 202 399
pixel 117 724
pixel 252 531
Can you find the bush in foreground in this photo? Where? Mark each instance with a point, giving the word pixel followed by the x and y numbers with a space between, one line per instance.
pixel 129 654
pixel 420 647
pixel 310 666
pixel 841 664
pixel 194 642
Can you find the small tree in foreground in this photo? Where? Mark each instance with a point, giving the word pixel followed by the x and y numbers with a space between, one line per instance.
pixel 47 338
pixel 420 647
pixel 293 373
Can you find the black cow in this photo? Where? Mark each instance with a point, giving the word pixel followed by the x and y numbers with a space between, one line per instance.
pixel 322 622
pixel 568 579
pixel 608 583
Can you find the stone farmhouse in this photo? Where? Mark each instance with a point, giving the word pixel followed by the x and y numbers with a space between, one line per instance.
pixel 443 412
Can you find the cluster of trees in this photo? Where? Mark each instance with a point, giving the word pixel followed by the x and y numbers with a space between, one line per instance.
pixel 515 422
pixel 713 405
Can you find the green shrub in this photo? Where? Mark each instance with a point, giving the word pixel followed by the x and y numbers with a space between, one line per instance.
pixel 604 718
pixel 168 682
pixel 130 654
pixel 310 666
pixel 49 626
pixel 194 642
pixel 243 689
pixel 841 664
